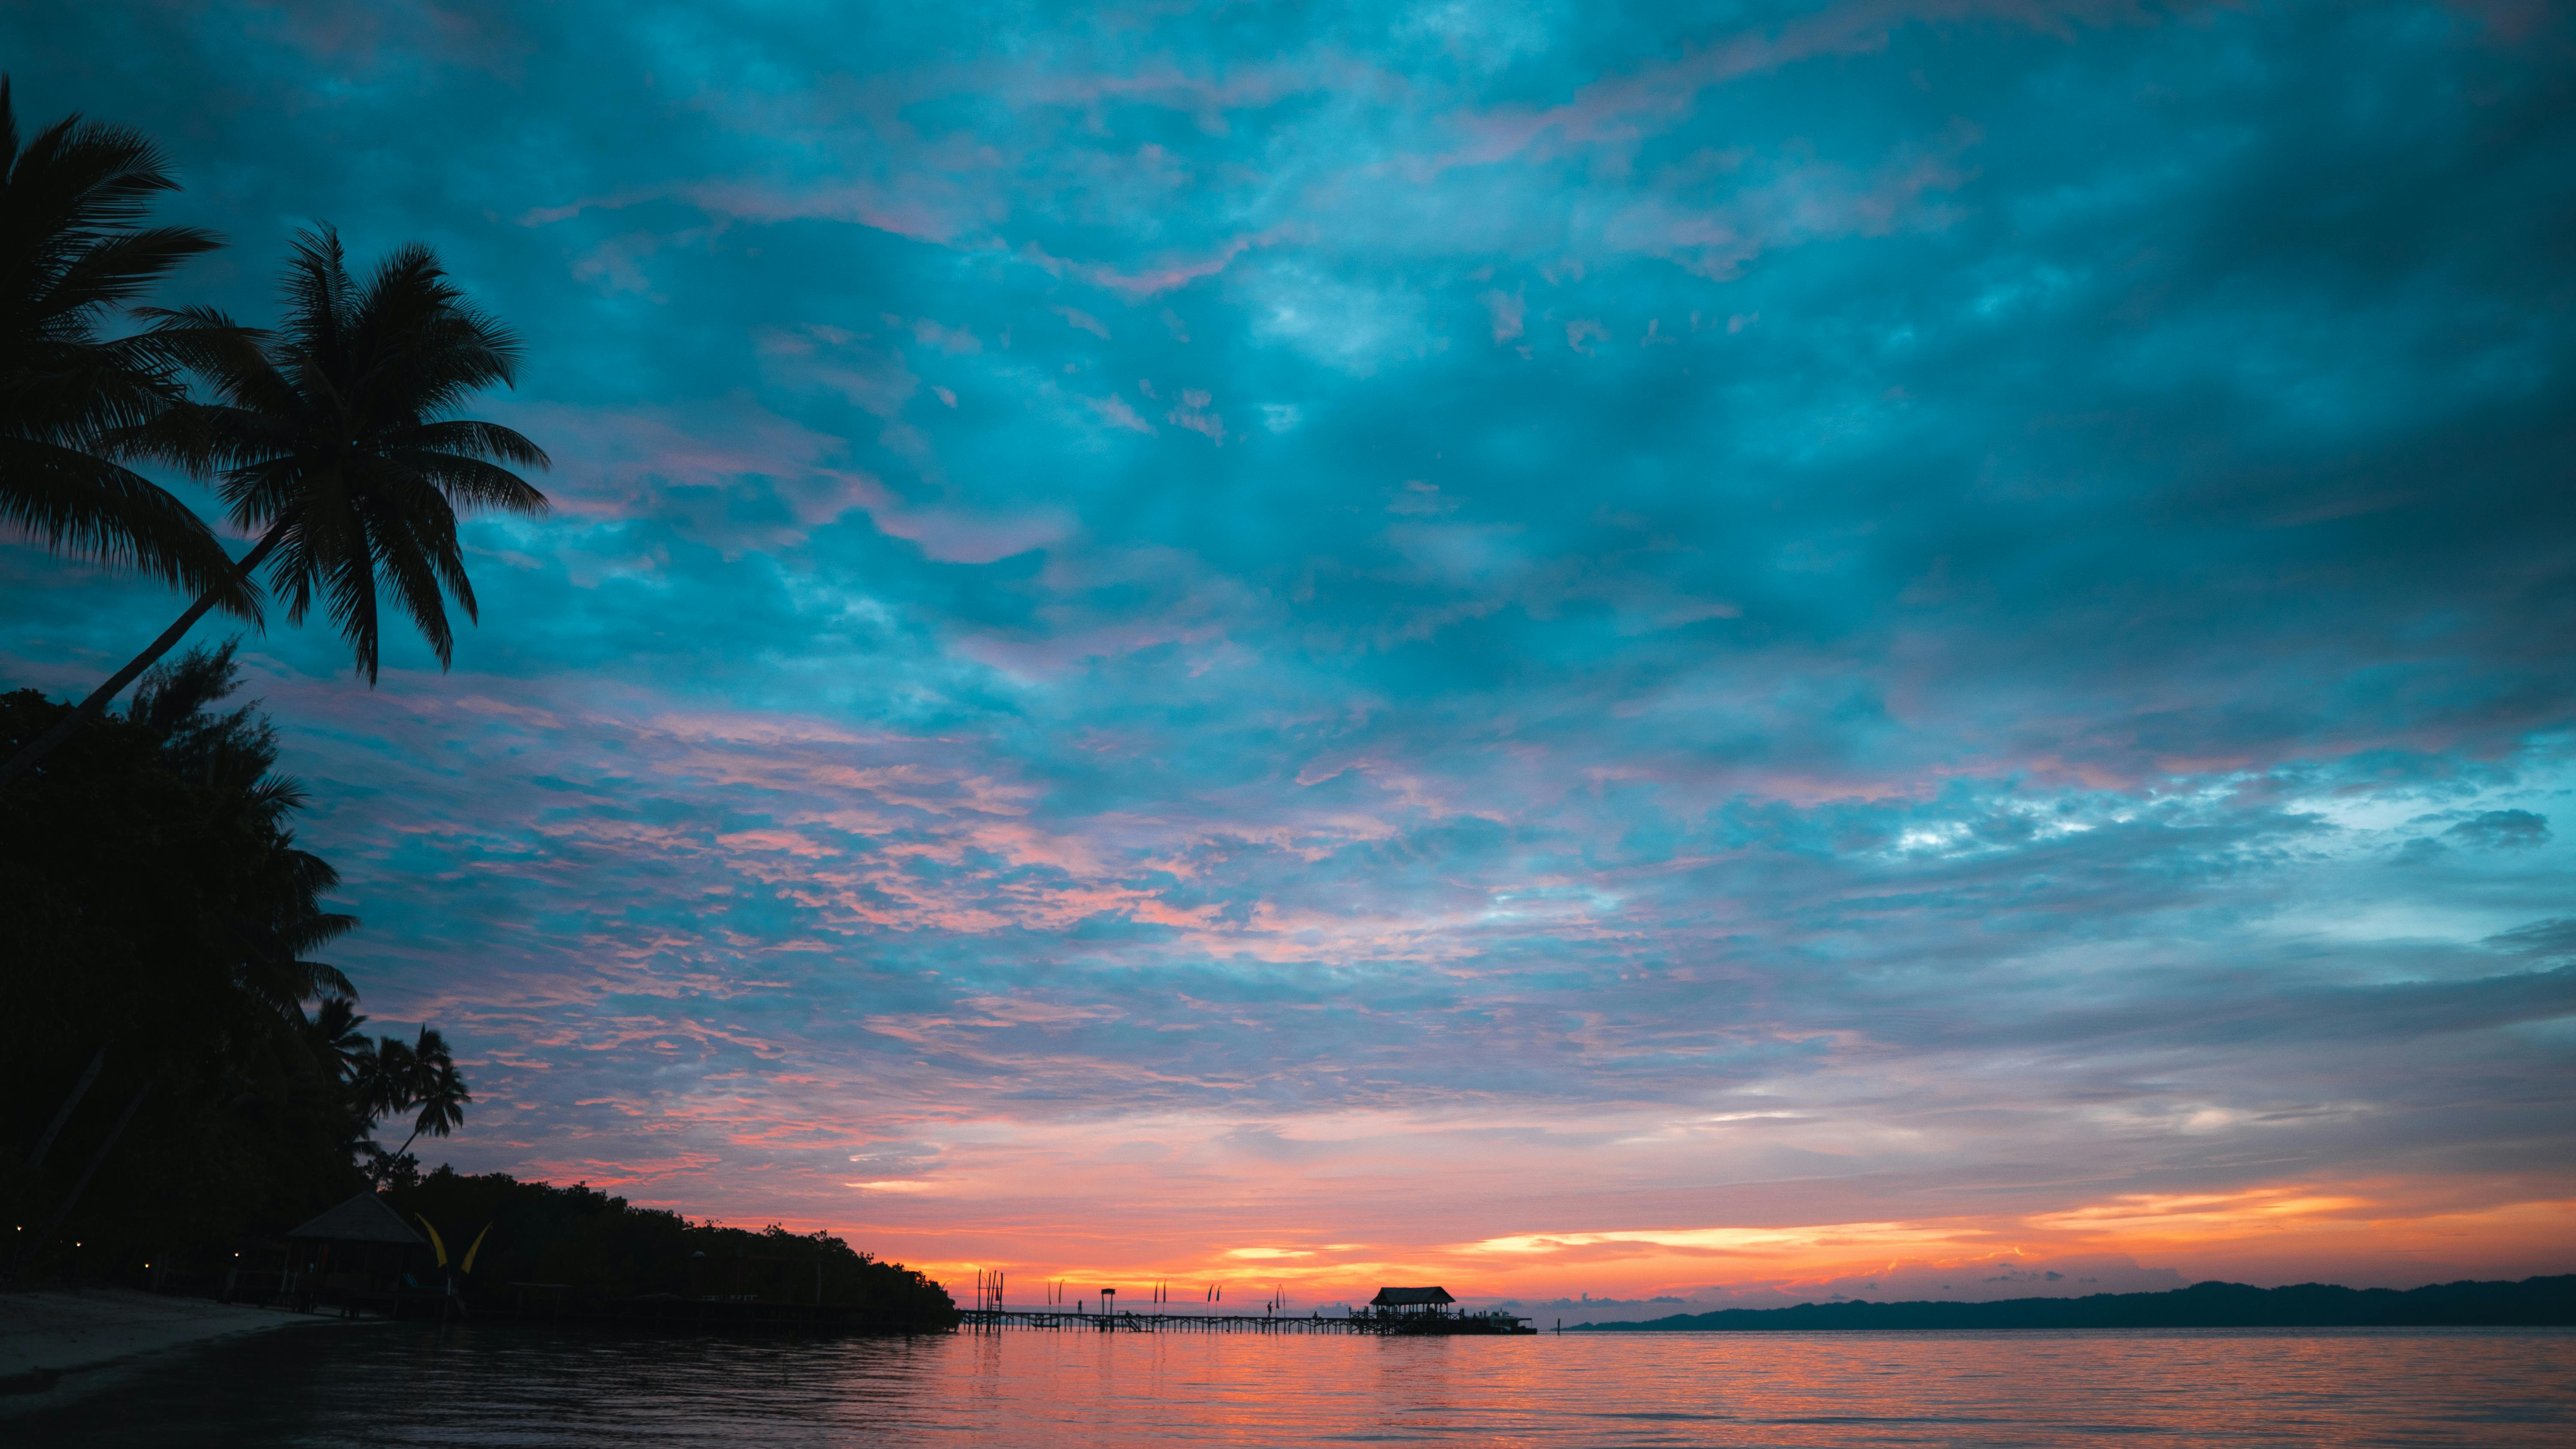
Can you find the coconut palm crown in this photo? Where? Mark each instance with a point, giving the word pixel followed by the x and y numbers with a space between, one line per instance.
pixel 73 255
pixel 333 440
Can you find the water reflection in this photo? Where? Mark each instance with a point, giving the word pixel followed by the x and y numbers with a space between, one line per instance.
pixel 333 1385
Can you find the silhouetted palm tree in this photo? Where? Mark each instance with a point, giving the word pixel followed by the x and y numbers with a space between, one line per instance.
pixel 383 1081
pixel 333 441
pixel 429 1081
pixel 73 252
pixel 332 1034
pixel 438 1089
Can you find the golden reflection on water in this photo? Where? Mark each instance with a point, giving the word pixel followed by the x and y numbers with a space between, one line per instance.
pixel 1822 1389
pixel 397 1385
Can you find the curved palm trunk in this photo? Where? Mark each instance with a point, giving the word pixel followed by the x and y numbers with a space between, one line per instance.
pixel 35 1250
pixel 80 1089
pixel 99 699
pixel 386 1164
pixel 417 1129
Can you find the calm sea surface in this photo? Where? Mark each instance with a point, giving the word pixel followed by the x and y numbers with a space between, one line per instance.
pixel 389 1384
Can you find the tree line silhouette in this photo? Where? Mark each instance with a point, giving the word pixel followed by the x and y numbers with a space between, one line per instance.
pixel 595 1250
pixel 177 1067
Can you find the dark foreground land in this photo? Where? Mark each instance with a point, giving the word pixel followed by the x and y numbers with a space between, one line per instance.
pixel 488 1248
pixel 2531 1303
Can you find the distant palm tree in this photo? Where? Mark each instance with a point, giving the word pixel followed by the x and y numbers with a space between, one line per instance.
pixel 332 1034
pixel 333 442
pixel 437 1089
pixel 73 252
pixel 382 1082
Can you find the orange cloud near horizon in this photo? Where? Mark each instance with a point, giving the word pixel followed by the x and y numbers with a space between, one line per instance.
pixel 2363 1234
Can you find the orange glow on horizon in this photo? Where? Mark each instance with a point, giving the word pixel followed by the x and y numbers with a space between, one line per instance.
pixel 2286 1232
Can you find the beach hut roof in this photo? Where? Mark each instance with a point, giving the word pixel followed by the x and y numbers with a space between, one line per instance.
pixel 1410 1297
pixel 365 1218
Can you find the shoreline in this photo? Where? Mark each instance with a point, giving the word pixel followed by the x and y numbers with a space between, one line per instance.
pixel 57 1345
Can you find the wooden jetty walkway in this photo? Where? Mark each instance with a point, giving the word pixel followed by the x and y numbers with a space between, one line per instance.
pixel 1130 1321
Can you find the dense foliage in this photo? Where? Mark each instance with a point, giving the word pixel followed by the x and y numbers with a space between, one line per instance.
pixel 161 929
pixel 601 1248
pixel 176 1069
pixel 158 946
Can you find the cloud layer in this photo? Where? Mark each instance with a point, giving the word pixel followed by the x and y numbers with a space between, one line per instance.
pixel 1984 696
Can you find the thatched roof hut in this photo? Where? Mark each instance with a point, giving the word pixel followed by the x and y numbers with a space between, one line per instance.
pixel 1411 1298
pixel 365 1218
pixel 357 1250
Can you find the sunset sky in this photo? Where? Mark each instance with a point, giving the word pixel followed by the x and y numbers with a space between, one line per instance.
pixel 1740 650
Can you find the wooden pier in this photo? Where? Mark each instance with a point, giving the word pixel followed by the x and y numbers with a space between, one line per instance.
pixel 1408 1325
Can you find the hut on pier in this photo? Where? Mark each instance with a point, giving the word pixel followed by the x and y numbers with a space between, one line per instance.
pixel 1412 1300
pixel 360 1248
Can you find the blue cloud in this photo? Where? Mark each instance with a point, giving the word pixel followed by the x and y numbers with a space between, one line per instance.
pixel 2502 830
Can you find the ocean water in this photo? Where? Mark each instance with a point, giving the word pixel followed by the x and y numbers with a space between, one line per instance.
pixel 503 1385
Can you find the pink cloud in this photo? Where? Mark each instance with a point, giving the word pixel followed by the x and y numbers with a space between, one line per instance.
pixel 956 537
pixel 1617 110
pixel 927 207
pixel 876 379
pixel 2507 20
pixel 1800 203
pixel 1191 414
pixel 1076 317
pixel 1163 275
pixel 471 36
pixel 951 340
pixel 616 460
pixel 658 462
pixel 1115 411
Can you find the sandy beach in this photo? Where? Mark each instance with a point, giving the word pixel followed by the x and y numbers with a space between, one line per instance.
pixel 83 1335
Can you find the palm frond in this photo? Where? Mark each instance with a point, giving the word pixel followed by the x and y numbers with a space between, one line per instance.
pixel 265 486
pixel 77 503
pixel 482 442
pixel 73 248
pixel 315 290
pixel 315 877
pixel 197 339
pixel 347 576
pixel 276 796
pixel 474 485
pixel 321 928
pixel 79 178
pixel 414 573
pixel 320 978
pixel 117 269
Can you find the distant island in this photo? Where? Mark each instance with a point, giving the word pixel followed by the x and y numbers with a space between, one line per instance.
pixel 2531 1303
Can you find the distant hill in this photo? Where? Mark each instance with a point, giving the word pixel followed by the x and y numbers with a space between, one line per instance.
pixel 2533 1302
